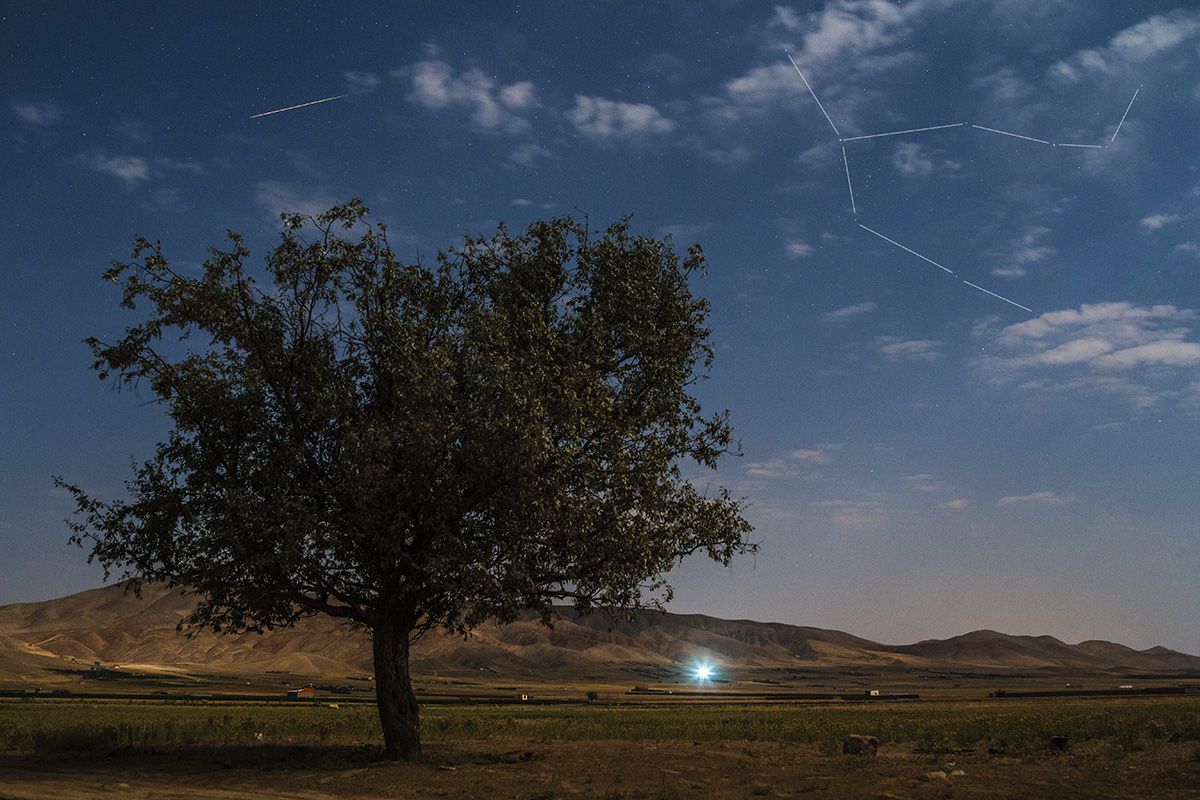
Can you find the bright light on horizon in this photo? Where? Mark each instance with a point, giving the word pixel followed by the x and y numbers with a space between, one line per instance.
pixel 704 672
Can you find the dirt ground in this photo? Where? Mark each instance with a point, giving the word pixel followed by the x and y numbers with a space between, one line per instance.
pixel 610 770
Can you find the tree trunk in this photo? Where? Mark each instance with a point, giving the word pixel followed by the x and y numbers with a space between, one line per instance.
pixel 398 711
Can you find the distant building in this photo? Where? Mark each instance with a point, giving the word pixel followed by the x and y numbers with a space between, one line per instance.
pixel 872 693
pixel 307 693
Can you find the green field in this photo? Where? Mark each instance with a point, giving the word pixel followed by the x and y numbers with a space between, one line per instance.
pixel 1019 726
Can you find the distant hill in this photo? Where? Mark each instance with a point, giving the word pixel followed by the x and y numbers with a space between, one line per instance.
pixel 112 626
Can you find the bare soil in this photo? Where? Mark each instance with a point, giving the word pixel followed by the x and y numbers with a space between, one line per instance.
pixel 604 769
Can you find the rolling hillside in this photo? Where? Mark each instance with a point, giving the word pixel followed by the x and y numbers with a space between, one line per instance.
pixel 112 626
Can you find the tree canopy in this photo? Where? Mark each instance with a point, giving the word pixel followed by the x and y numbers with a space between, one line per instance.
pixel 411 446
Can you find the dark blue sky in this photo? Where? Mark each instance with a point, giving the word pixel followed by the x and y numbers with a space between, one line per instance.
pixel 923 458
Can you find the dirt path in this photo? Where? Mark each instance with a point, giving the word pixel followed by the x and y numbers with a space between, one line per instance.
pixel 610 770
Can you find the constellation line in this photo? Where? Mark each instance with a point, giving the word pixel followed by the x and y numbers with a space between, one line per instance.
pixel 897 133
pixel 849 185
pixel 908 250
pixel 997 296
pixel 1126 114
pixel 302 105
pixel 1009 133
pixel 814 95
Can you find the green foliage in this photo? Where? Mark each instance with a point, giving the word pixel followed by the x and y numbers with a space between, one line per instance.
pixel 417 445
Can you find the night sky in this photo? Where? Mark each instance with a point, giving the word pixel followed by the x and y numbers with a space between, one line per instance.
pixel 922 458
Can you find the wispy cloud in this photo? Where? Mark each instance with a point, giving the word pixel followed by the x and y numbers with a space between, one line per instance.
pixel 738 154
pixel 280 198
pixel 923 482
pixel 491 106
pixel 854 515
pixel 1158 220
pixel 911 158
pixel 788 465
pixel 1042 498
pixel 847 313
pixel 600 118
pixel 799 249
pixel 895 348
pixel 958 504
pixel 136 170
pixel 847 38
pixel 1025 250
pixel 131 170
pixel 362 81
pixel 1140 353
pixel 43 114
pixel 1133 46
pixel 815 455
pixel 528 155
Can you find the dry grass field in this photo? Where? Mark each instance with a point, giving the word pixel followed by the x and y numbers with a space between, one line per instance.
pixel 1119 748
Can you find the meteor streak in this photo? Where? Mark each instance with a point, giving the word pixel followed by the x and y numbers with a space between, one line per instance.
pixel 302 105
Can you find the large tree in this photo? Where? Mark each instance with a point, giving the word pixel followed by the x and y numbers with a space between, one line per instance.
pixel 411 446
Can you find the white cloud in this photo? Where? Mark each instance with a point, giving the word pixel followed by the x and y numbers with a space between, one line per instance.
pixel 1134 45
pixel 132 170
pixel 136 170
pixel 362 81
pixel 854 515
pixel 799 250
pixel 1026 249
pixel 280 198
pixel 844 41
pixel 958 504
pixel 606 119
pixel 1168 352
pixel 1003 86
pixel 1125 321
pixel 492 107
pixel 849 312
pixel 528 155
pixel 719 155
pixel 895 348
pixel 819 156
pixel 1158 220
pixel 1042 498
pixel 850 26
pixel 923 482
pixel 1032 254
pixel 788 465
pixel 772 468
pixel 38 113
pixel 816 456
pixel 192 167
pixel 1189 247
pixel 1139 353
pixel 1074 351
pixel 521 202
pixel 519 95
pixel 910 158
